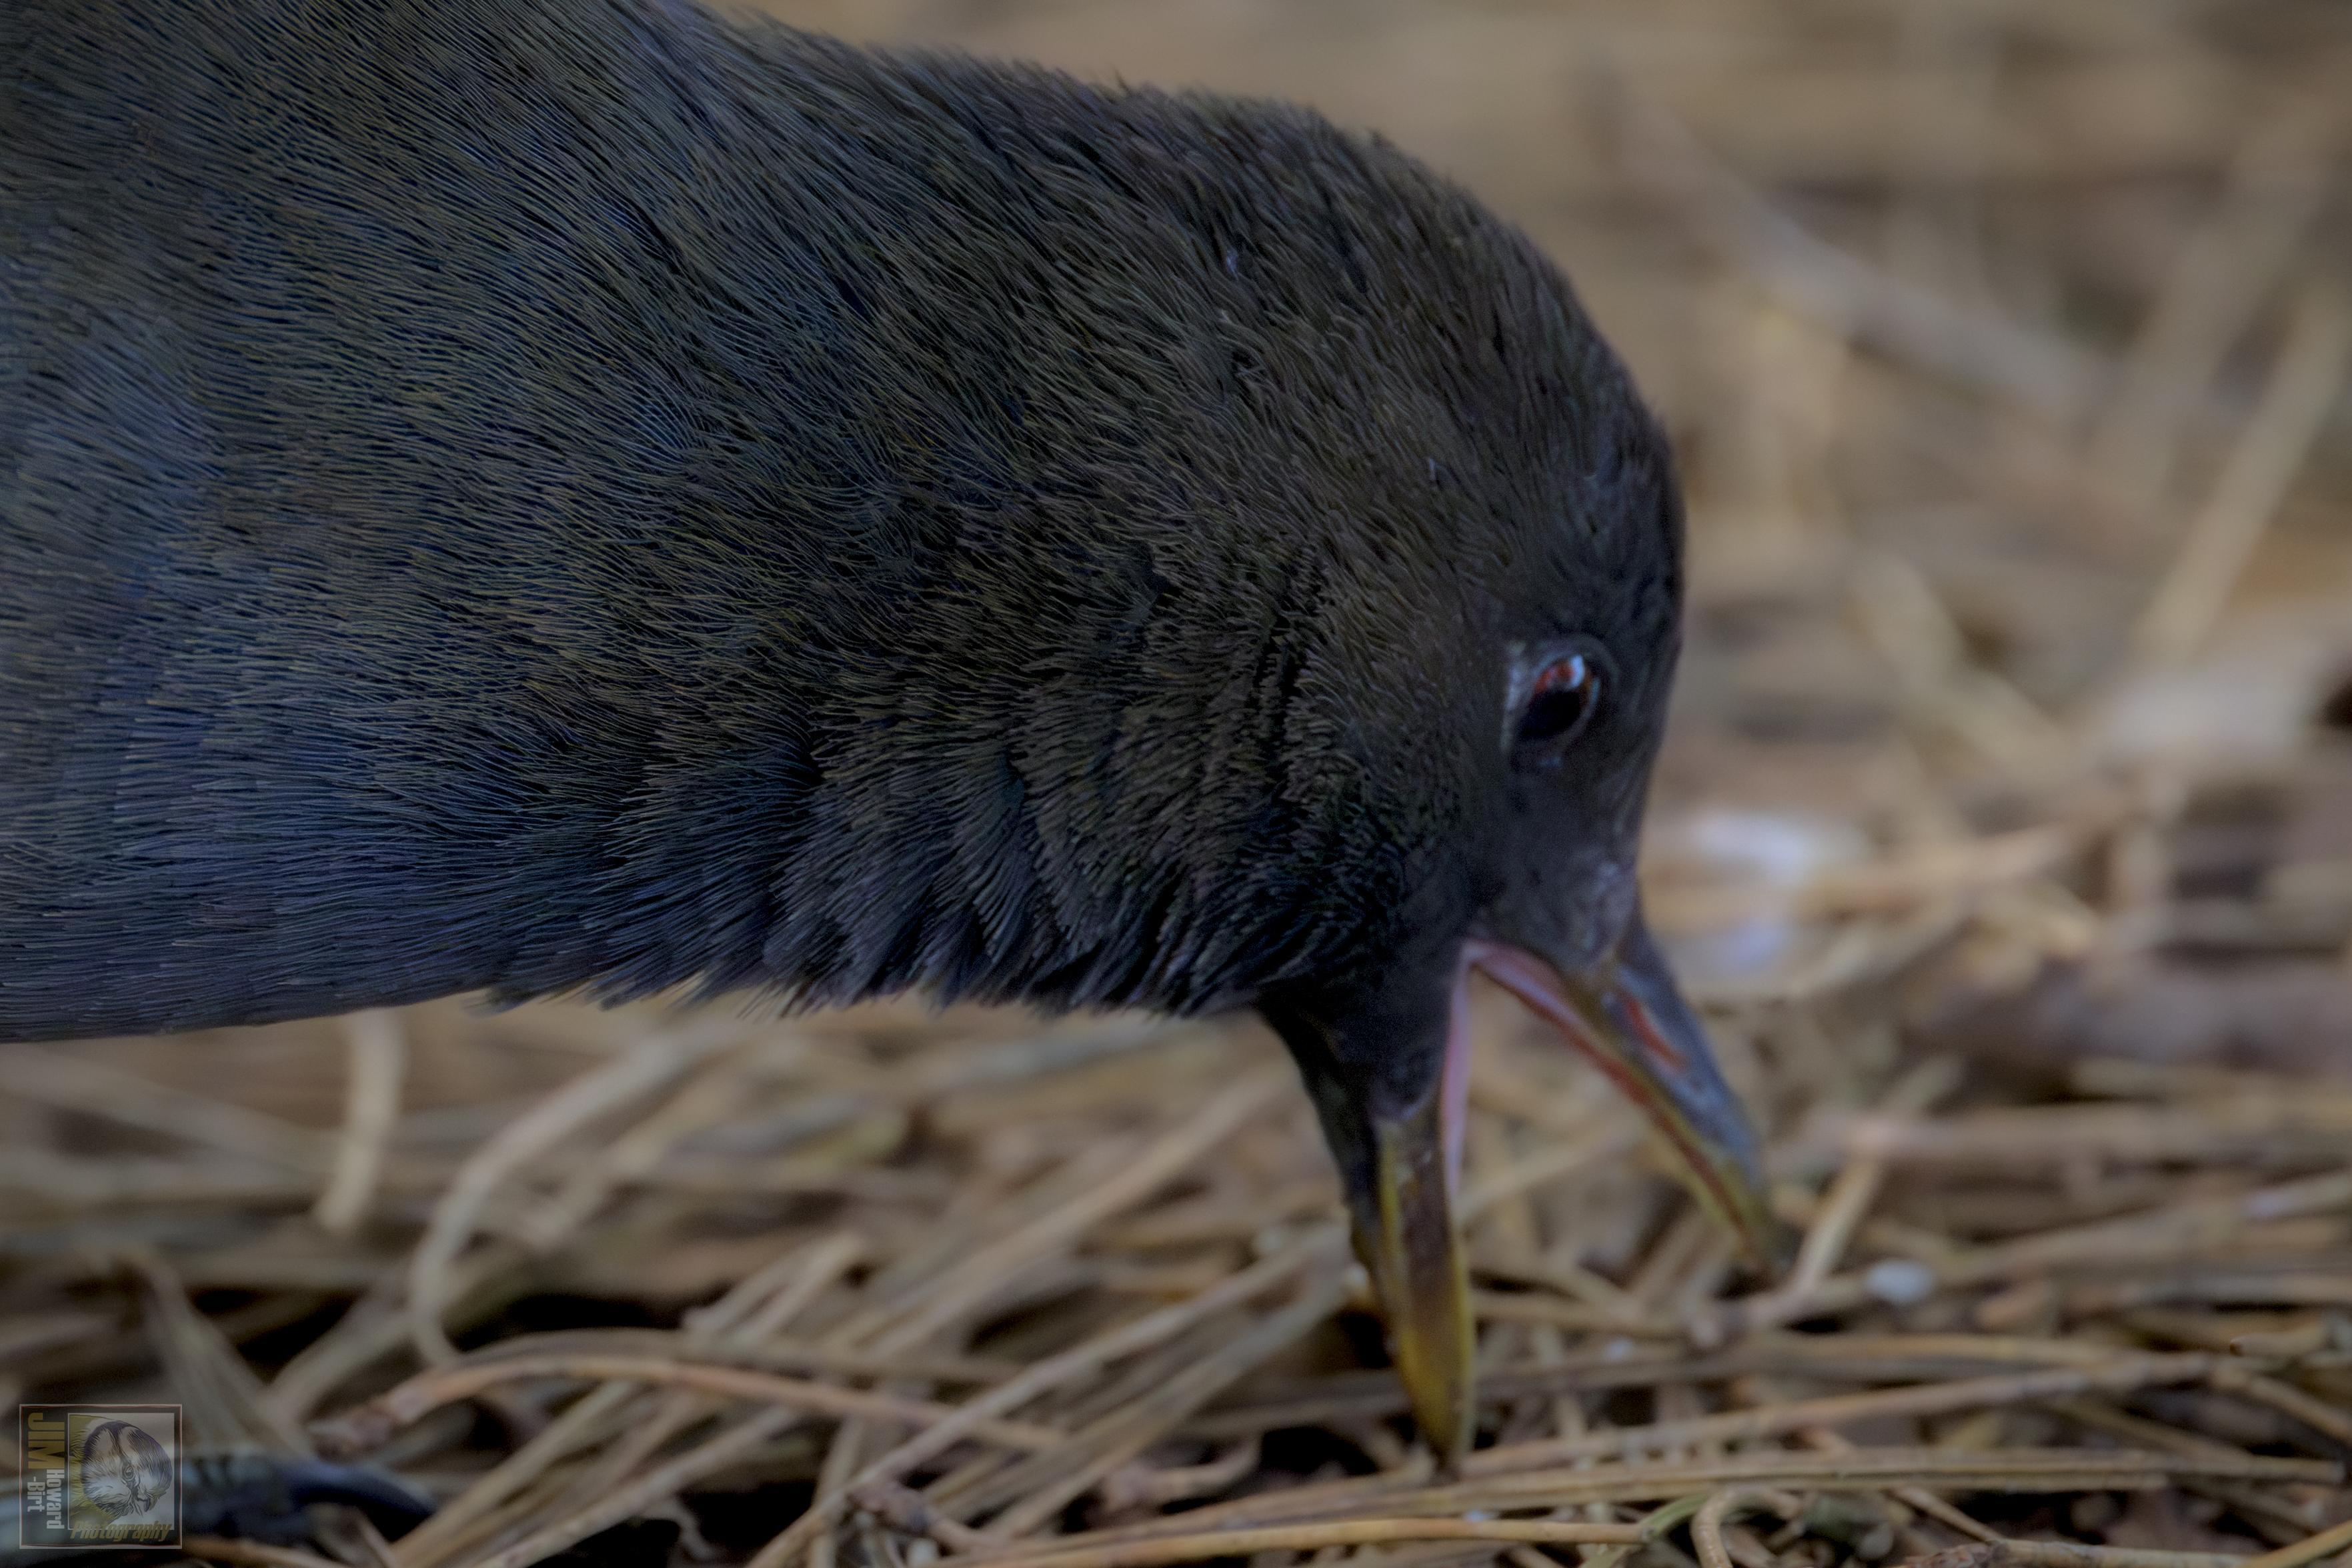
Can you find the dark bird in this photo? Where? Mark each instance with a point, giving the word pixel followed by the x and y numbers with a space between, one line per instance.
pixel 249 1495
pixel 582 495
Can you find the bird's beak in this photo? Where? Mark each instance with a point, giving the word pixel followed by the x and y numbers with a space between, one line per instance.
pixel 1627 1014
pixel 1385 1073
pixel 1390 1085
pixel 1406 1238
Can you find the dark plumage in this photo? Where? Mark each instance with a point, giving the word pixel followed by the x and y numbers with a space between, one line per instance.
pixel 576 495
pixel 251 1495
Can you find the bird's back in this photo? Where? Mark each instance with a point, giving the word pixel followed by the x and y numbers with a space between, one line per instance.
pixel 337 358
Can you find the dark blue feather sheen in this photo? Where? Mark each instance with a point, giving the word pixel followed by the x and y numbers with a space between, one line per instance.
pixel 547 495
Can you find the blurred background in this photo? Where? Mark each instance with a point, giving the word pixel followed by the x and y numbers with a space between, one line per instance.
pixel 2005 832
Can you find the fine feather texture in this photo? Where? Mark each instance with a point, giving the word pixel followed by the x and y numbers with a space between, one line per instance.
pixel 580 494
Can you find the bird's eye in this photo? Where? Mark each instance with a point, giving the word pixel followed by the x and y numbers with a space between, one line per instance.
pixel 1560 702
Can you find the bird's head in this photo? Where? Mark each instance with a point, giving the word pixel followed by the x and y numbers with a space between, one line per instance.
pixel 1510 756
pixel 1473 688
pixel 1312 655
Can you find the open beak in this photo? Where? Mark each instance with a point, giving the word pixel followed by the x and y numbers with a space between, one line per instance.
pixel 1389 1085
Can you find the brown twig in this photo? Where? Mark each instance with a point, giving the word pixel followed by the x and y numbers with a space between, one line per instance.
pixel 369 1426
pixel 1155 1329
pixel 2069 1555
pixel 378 1053
pixel 2326 1543
pixel 2304 385
pixel 1194 1548
pixel 253 1553
pixel 1706 1525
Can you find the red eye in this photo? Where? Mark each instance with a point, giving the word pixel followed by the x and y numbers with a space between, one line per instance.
pixel 1560 702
